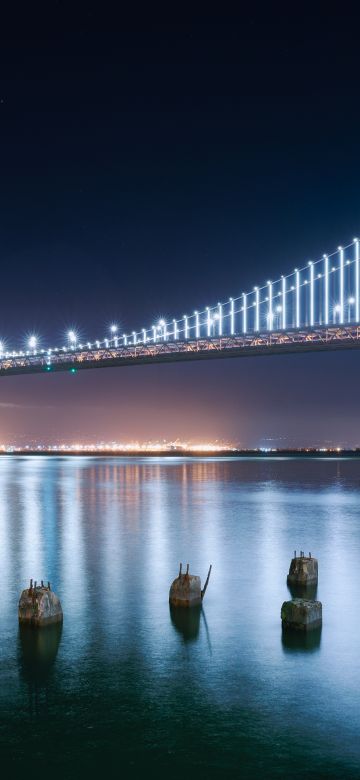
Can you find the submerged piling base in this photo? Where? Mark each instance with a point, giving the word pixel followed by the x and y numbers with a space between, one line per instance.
pixel 301 615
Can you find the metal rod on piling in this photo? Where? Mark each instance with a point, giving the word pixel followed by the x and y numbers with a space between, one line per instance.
pixel 206 583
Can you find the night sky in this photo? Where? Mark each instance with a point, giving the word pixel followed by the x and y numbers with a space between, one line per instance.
pixel 154 165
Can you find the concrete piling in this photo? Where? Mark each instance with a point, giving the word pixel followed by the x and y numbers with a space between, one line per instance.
pixel 301 614
pixel 185 591
pixel 303 570
pixel 39 605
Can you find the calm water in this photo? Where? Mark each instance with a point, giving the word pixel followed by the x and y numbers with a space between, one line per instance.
pixel 127 690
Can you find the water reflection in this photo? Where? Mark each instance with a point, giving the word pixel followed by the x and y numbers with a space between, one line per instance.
pixel 37 653
pixel 186 621
pixel 298 591
pixel 300 641
pixel 109 534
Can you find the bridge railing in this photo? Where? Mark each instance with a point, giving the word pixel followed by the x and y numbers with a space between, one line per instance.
pixel 264 342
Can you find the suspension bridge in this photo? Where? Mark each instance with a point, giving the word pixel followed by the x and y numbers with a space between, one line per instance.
pixel 316 307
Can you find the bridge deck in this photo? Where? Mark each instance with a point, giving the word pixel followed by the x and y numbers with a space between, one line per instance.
pixel 254 344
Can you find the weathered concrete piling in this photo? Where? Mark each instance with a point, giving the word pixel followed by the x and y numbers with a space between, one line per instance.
pixel 303 570
pixel 39 605
pixel 186 591
pixel 301 615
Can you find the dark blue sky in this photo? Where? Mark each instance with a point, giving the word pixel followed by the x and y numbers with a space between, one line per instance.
pixel 153 165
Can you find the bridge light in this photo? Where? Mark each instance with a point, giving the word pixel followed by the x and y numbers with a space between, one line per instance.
pixel 113 328
pixel 72 336
pixel 197 325
pixel 220 318
pixel 162 327
pixel 144 335
pixel 326 289
pixel 125 340
pixel 297 295
pixel 341 270
pixel 312 315
pixel 1 348
pixel 357 281
pixel 32 342
pixel 270 312
pixel 232 316
pixel 257 309
pixel 175 329
pixel 208 322
pixel 284 302
pixel 337 310
pixel 186 327
pixel 134 337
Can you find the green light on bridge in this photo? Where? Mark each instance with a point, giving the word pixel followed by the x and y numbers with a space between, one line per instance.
pixel 73 370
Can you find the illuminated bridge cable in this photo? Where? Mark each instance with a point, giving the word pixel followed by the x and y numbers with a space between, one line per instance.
pixel 322 292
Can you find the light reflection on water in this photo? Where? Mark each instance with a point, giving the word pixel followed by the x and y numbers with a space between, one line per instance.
pixel 214 693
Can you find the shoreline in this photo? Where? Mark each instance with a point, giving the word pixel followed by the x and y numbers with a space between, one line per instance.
pixel 250 454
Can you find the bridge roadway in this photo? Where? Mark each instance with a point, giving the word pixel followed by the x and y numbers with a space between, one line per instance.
pixel 252 344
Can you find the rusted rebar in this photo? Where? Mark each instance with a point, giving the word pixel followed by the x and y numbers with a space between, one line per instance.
pixel 206 583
